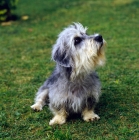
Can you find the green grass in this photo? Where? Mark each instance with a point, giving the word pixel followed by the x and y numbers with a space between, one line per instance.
pixel 25 62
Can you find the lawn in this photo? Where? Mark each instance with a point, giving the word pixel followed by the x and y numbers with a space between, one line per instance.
pixel 25 62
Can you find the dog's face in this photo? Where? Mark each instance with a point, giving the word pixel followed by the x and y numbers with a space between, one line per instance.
pixel 75 49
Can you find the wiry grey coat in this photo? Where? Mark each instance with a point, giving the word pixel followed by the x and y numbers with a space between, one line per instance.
pixel 74 85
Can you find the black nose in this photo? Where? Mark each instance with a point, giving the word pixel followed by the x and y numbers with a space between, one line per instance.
pixel 98 38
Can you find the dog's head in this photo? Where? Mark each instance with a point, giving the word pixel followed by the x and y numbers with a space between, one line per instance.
pixel 78 50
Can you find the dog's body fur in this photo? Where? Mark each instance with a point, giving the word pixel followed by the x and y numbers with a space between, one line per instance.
pixel 74 86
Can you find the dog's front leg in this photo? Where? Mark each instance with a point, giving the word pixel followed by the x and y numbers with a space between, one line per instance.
pixel 59 117
pixel 89 115
pixel 40 100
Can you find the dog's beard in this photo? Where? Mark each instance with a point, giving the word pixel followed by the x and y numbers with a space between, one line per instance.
pixel 87 56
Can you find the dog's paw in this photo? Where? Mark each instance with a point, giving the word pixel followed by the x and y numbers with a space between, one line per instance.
pixel 57 120
pixel 91 117
pixel 36 107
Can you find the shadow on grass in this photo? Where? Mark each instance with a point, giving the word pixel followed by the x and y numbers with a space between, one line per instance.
pixel 110 104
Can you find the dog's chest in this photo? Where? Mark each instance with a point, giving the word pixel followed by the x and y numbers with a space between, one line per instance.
pixel 79 89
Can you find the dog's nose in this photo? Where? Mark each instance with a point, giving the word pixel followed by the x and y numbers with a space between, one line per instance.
pixel 98 38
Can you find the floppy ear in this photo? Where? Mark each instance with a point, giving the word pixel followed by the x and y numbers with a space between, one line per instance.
pixel 63 58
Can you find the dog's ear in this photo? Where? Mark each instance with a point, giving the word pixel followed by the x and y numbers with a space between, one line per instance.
pixel 62 57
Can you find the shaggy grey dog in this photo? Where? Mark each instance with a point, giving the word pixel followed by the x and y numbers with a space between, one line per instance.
pixel 74 87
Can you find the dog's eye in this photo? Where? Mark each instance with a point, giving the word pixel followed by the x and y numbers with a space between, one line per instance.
pixel 77 40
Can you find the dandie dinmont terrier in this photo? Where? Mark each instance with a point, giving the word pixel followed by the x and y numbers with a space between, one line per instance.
pixel 74 86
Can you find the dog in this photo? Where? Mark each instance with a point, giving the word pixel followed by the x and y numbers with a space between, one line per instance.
pixel 74 86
